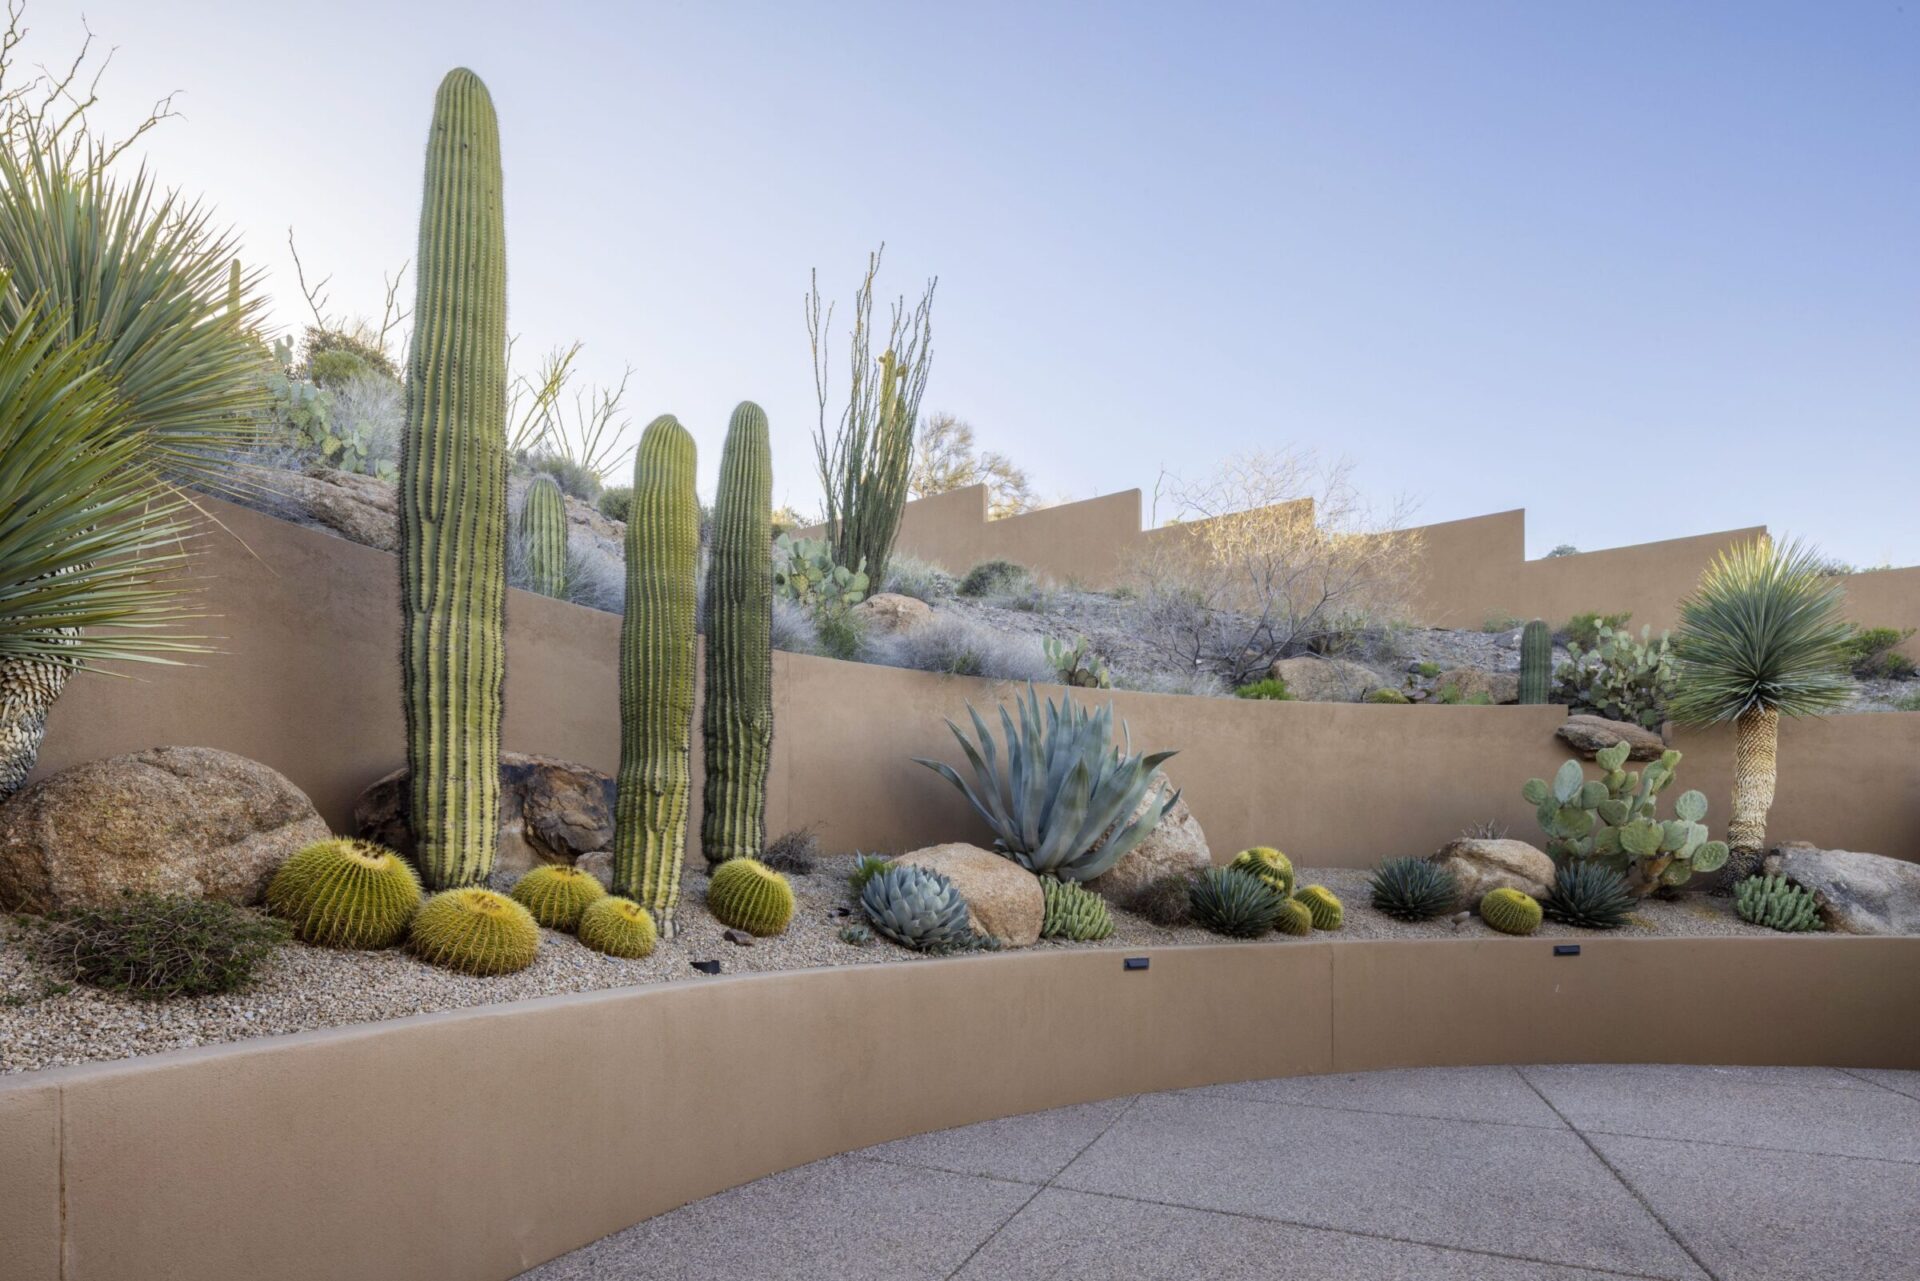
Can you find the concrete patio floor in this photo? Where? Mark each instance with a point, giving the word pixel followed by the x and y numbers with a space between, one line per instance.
pixel 1484 1174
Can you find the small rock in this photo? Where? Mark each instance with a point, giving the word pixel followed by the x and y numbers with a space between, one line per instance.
pixel 1482 864
pixel 1590 734
pixel 887 612
pixel 1468 682
pixel 1177 847
pixel 1858 893
pixel 1325 680
pixel 598 865
pixel 706 967
pixel 739 938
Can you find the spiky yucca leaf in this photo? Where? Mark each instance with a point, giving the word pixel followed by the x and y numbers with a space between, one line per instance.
pixel 1590 895
pixel 1235 903
pixel 1412 889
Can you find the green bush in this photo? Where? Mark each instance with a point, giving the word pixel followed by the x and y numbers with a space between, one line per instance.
pixel 993 577
pixel 1272 689
pixel 1500 622
pixel 839 633
pixel 1167 901
pixel 1874 653
pixel 156 946
pixel 1619 678
pixel 616 501
pixel 1385 695
pixel 575 479
pixel 865 868
pixel 1583 629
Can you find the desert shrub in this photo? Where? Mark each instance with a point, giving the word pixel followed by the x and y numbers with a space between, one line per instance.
pixel 1272 689
pixel 839 633
pixel 1874 652
pixel 1564 549
pixel 1428 668
pixel 794 852
pixel 156 946
pixel 995 577
pixel 329 367
pixel 920 579
pixel 353 425
pixel 596 578
pixel 1385 695
pixel 945 459
pixel 962 647
pixel 1033 598
pixel 1449 695
pixel 574 478
pixel 1283 557
pixel 1501 621
pixel 324 347
pixel 1166 901
pixel 616 501
pixel 1583 629
pixel 1907 702
pixel 794 627
pixel 1619 678
pixel 1196 683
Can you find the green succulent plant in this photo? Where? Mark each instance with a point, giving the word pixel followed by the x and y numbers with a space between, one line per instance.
pixel 557 896
pixel 865 868
pixel 804 571
pixel 1510 911
pixel 1069 803
pixel 1328 912
pixel 1233 902
pixel 1536 662
pixel 1074 912
pixel 748 895
pixel 1294 918
pixel 1076 664
pixel 1269 864
pixel 1385 695
pixel 345 893
pixel 618 927
pixel 1778 904
pixel 1412 889
pixel 1618 677
pixel 1615 820
pixel 856 935
pixel 543 536
pixel 475 931
pixel 1590 895
pixel 916 908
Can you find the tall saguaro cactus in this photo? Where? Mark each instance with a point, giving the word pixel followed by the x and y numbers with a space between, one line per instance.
pixel 656 672
pixel 739 705
pixel 453 494
pixel 543 537
pixel 1536 661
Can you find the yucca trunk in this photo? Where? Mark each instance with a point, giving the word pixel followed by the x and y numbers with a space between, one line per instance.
pixel 28 687
pixel 1756 746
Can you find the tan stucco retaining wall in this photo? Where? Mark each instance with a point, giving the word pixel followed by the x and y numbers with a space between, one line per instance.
pixel 470 1145
pixel 1469 571
pixel 309 683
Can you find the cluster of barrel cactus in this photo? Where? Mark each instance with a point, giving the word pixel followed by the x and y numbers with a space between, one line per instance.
pixel 1074 912
pixel 1614 819
pixel 557 896
pixel 345 893
pixel 804 571
pixel 1778 904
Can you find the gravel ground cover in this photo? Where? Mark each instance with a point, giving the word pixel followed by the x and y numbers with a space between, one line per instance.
pixel 46 1021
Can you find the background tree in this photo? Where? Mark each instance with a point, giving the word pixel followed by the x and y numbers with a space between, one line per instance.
pixel 1761 637
pixel 865 460
pixel 945 459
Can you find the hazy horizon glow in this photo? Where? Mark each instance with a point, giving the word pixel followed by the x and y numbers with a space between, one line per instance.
pixel 1644 270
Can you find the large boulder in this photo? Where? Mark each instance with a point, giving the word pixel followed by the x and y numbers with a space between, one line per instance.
pixel 551 811
pixel 1325 680
pixel 1857 893
pixel 888 612
pixel 1590 734
pixel 1482 864
pixel 1468 683
pixel 362 509
pixel 170 820
pixel 1177 847
pixel 1003 898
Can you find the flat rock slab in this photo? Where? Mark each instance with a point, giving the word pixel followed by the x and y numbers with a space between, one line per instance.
pixel 1590 734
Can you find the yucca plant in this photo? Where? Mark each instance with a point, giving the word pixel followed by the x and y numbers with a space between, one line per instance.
pixel 1064 786
pixel 1761 637
pixel 85 541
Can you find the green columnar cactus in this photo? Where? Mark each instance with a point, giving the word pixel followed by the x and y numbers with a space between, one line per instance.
pixel 617 927
pixel 1328 912
pixel 739 704
pixel 1778 904
pixel 345 893
pixel 543 537
pixel 557 895
pixel 1074 912
pixel 1613 820
pixel 1269 864
pixel 656 672
pixel 748 895
pixel 475 931
pixel 1510 911
pixel 1295 918
pixel 1536 662
pixel 453 495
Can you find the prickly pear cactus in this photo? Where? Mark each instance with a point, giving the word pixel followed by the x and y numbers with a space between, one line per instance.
pixel 1614 819
pixel 804 571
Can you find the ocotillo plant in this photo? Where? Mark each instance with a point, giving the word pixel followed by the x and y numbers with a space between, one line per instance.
pixel 656 672
pixel 739 704
pixel 1536 662
pixel 543 537
pixel 453 494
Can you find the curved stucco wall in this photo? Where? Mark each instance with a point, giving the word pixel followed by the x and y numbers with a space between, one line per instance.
pixel 469 1145
pixel 309 682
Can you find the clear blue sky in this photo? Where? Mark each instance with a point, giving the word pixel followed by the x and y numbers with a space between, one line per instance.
pixel 1643 269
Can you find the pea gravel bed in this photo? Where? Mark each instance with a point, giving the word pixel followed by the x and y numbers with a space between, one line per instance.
pixel 47 1021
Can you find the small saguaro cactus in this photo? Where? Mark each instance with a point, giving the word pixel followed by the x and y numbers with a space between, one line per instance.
pixel 453 495
pixel 739 704
pixel 1536 662
pixel 543 536
pixel 656 672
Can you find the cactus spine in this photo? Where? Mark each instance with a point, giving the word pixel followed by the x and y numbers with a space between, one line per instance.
pixel 543 537
pixel 453 494
pixel 656 672
pixel 1536 662
pixel 739 704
